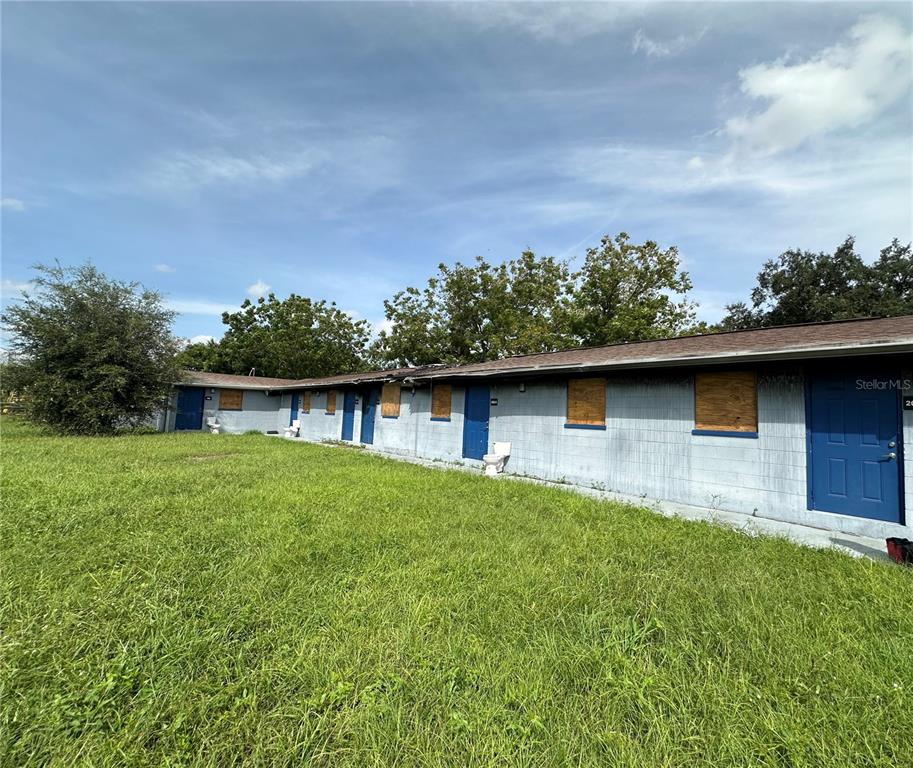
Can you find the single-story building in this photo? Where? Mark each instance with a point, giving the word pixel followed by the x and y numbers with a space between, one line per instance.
pixel 803 423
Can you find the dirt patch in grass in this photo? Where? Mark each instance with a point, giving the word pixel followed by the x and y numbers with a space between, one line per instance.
pixel 211 457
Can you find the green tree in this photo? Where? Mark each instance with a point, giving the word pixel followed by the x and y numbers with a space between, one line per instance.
pixel 477 312
pixel 90 355
pixel 470 313
pixel 630 292
pixel 200 356
pixel 296 338
pixel 805 287
pixel 892 281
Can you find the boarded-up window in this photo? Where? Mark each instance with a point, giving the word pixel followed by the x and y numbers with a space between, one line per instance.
pixel 230 399
pixel 586 402
pixel 441 396
pixel 389 401
pixel 331 401
pixel 726 401
pixel 305 402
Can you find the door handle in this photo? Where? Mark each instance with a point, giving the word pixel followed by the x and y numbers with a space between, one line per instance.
pixel 890 456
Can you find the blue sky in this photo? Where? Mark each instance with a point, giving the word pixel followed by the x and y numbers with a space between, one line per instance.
pixel 342 150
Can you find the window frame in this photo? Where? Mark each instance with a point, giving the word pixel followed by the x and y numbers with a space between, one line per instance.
pixel 449 396
pixel 702 427
pixel 391 404
pixel 240 394
pixel 579 423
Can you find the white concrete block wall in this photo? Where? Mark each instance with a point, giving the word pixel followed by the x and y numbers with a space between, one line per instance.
pixel 284 413
pixel 647 448
pixel 258 412
pixel 398 435
pixel 442 439
pixel 318 425
pixel 413 433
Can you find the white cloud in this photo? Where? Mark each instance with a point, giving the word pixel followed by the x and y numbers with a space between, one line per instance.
pixel 202 338
pixel 553 22
pixel 12 204
pixel 163 268
pixel 185 171
pixel 258 289
pixel 12 289
pixel 836 163
pixel 846 85
pixel 199 307
pixel 662 49
pixel 384 325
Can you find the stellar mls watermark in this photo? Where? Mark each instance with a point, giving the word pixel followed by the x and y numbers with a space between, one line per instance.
pixel 884 384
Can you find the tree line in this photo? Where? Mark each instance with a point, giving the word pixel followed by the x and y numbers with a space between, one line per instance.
pixel 622 291
pixel 93 355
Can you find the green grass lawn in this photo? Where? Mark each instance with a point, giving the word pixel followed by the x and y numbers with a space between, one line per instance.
pixel 227 600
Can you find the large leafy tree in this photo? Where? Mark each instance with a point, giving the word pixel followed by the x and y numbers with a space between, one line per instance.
pixel 892 280
pixel 90 355
pixel 477 312
pixel 469 313
pixel 803 287
pixel 294 338
pixel 630 292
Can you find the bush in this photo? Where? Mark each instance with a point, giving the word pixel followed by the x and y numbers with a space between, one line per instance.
pixel 90 355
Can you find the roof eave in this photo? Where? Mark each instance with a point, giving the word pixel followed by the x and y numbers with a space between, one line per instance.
pixel 681 362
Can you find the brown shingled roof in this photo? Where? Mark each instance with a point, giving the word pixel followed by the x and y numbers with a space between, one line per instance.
pixel 359 378
pixel 835 339
pixel 231 381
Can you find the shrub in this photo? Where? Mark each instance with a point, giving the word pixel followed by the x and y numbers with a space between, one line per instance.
pixel 90 355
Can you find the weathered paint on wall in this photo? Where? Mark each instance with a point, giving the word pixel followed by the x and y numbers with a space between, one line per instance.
pixel 258 412
pixel 318 425
pixel 647 448
pixel 413 433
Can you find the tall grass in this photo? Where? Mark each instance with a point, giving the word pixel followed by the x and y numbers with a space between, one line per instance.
pixel 219 601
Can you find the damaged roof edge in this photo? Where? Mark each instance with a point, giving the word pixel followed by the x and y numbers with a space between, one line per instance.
pixel 683 362
pixel 852 338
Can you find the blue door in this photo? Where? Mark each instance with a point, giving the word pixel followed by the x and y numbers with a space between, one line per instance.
pixel 369 402
pixel 854 442
pixel 348 415
pixel 190 408
pixel 294 412
pixel 475 421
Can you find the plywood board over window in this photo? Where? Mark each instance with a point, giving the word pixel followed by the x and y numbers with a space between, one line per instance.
pixel 389 401
pixel 726 401
pixel 331 402
pixel 230 399
pixel 305 402
pixel 586 403
pixel 441 398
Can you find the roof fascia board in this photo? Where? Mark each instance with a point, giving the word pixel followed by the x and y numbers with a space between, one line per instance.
pixel 681 362
pixel 799 353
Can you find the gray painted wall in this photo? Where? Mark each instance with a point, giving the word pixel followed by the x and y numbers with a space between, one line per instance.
pixel 646 449
pixel 318 425
pixel 414 434
pixel 258 412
